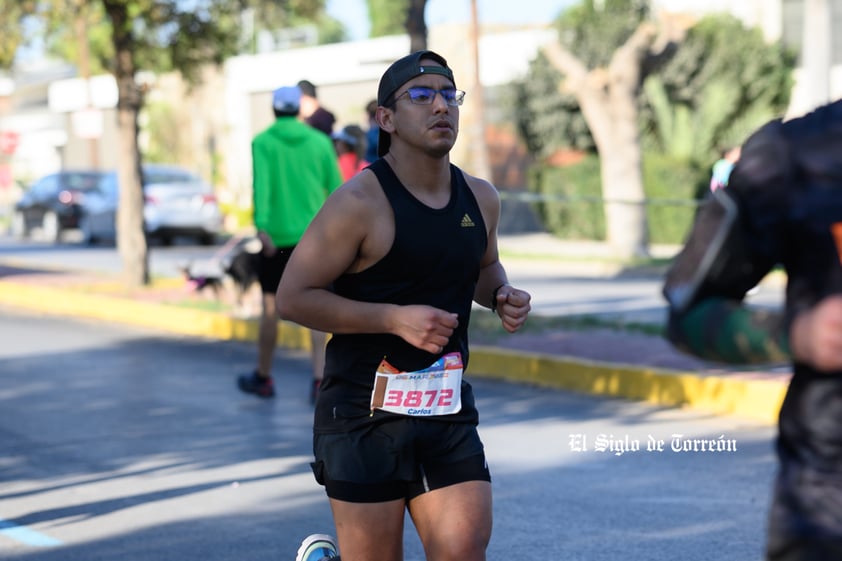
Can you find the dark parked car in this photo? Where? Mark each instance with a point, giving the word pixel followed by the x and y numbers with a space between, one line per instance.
pixel 176 203
pixel 53 204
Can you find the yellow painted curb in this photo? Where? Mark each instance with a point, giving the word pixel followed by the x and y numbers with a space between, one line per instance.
pixel 172 319
pixel 756 399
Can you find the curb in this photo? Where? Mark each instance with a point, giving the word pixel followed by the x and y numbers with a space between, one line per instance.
pixel 756 399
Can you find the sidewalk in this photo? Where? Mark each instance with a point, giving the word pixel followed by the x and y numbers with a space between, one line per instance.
pixel 595 361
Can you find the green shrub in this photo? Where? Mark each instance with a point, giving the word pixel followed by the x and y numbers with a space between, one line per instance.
pixel 571 206
pixel 672 190
pixel 572 198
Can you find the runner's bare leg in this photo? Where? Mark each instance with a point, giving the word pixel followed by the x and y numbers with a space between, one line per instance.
pixel 454 522
pixel 367 531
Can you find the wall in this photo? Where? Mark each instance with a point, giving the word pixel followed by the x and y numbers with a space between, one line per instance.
pixel 347 75
pixel 219 118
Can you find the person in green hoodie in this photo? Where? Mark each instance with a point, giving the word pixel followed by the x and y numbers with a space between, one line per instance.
pixel 294 171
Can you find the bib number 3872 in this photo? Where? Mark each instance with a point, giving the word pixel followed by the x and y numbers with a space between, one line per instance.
pixel 435 390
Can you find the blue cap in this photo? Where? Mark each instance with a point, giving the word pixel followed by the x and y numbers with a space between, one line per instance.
pixel 286 99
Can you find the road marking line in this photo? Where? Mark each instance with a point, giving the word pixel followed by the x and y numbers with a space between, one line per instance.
pixel 26 535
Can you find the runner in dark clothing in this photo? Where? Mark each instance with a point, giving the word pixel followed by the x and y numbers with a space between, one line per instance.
pixel 391 267
pixel 783 206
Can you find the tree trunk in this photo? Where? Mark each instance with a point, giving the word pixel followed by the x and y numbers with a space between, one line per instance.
pixel 625 201
pixel 611 114
pixel 608 100
pixel 131 240
pixel 416 25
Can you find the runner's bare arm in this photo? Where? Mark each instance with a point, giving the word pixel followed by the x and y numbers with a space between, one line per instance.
pixel 345 237
pixel 493 290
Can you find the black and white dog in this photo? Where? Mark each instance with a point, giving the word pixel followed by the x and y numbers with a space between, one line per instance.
pixel 230 275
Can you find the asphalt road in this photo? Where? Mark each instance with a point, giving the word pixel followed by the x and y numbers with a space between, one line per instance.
pixel 123 444
pixel 560 287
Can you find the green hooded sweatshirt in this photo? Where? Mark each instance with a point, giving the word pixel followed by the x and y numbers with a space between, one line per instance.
pixel 294 169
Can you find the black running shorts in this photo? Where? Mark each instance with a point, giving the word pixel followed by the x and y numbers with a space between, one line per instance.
pixel 270 269
pixel 398 458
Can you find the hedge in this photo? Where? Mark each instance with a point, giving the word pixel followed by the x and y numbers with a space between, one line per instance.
pixel 572 205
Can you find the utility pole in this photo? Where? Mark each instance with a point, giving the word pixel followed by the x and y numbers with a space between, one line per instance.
pixel 479 151
pixel 85 73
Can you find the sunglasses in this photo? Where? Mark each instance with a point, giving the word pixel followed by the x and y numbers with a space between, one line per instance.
pixel 424 96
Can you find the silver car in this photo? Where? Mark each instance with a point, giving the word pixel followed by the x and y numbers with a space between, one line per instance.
pixel 176 203
pixel 53 204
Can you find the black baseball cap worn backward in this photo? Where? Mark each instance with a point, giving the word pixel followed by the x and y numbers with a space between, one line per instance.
pixel 399 73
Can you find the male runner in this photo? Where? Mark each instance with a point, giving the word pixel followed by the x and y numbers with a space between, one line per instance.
pixel 391 266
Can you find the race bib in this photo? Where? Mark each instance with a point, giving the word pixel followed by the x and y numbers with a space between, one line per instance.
pixel 435 390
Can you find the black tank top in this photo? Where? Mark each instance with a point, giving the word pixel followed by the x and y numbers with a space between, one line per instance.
pixel 434 260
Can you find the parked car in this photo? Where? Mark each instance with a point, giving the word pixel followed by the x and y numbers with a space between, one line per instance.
pixel 53 204
pixel 176 203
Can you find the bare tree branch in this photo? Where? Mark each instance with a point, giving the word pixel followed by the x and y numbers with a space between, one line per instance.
pixel 573 69
pixel 672 32
pixel 628 58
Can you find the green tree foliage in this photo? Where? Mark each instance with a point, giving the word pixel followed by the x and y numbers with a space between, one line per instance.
pixel 603 53
pixel 331 30
pixel 574 210
pixel 146 35
pixel 12 33
pixel 387 17
pixel 594 29
pixel 276 13
pixel 723 83
pixel 171 35
pixel 549 119
pixel 65 44
pixel 394 17
pixel 271 15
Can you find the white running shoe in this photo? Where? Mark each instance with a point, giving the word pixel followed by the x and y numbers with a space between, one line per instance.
pixel 317 547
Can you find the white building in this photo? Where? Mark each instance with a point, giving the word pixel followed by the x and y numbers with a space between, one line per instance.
pixel 234 104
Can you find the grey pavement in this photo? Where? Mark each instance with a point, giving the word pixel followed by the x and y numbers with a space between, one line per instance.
pixel 586 278
pixel 567 279
pixel 126 443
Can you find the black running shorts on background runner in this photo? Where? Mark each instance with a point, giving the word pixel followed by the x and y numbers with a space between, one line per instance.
pixel 398 458
pixel 270 269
